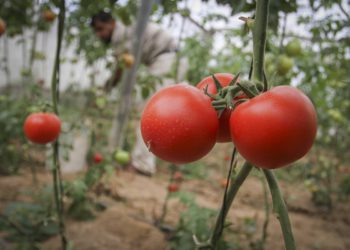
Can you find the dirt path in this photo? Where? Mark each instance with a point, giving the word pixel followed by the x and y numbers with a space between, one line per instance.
pixel 127 224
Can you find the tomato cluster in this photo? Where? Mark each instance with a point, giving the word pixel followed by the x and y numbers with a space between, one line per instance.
pixel 270 130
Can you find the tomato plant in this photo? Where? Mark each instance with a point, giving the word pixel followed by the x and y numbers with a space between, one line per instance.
pixel 179 124
pixel 42 128
pixel 275 128
pixel 223 134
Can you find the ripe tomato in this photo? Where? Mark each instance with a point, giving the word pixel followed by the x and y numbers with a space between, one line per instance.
pixel 48 15
pixel 173 187
pixel 42 128
pixel 223 78
pixel 128 60
pixel 2 27
pixel 223 134
pixel 98 158
pixel 223 182
pixel 178 176
pixel 179 124
pixel 275 128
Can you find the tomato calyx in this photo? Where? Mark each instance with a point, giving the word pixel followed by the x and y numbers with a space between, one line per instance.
pixel 235 93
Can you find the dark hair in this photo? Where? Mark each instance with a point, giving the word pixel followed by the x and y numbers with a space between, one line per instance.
pixel 101 16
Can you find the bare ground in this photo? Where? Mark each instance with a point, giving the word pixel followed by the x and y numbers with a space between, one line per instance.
pixel 127 224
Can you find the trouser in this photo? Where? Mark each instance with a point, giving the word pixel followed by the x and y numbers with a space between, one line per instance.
pixel 142 159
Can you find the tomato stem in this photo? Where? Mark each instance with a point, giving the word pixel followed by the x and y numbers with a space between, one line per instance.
pixel 259 38
pixel 280 209
pixel 228 199
pixel 267 212
pixel 160 220
pixel 56 171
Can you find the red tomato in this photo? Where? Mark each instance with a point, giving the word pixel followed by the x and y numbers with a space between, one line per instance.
pixel 275 128
pixel 173 187
pixel 42 128
pixel 178 176
pixel 223 78
pixel 2 27
pixel 98 158
pixel 48 15
pixel 227 158
pixel 223 182
pixel 223 134
pixel 179 124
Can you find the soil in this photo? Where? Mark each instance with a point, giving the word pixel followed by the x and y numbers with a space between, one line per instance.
pixel 134 199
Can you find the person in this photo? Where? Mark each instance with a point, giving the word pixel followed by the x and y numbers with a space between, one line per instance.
pixel 158 54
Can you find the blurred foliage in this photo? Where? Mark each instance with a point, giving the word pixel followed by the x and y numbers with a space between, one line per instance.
pixel 195 220
pixel 198 53
pixel 17 15
pixel 12 141
pixel 25 224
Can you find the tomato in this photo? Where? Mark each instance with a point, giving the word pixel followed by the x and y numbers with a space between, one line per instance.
pixel 128 60
pixel 173 187
pixel 122 157
pixel 101 102
pixel 48 15
pixel 98 158
pixel 227 158
pixel 179 124
pixel 285 64
pixel 293 48
pixel 223 182
pixel 2 27
pixel 223 134
pixel 178 176
pixel 275 128
pixel 223 78
pixel 42 128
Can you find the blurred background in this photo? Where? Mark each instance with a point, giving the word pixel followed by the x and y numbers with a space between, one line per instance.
pixel 308 46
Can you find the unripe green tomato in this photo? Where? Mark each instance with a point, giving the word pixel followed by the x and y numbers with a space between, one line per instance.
pixel 293 48
pixel 284 65
pixel 122 157
pixel 270 69
pixel 101 102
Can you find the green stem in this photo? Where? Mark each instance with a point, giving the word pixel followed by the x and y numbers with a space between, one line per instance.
pixel 280 208
pixel 231 193
pixel 160 221
pixel 259 38
pixel 56 171
pixel 34 38
pixel 267 214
